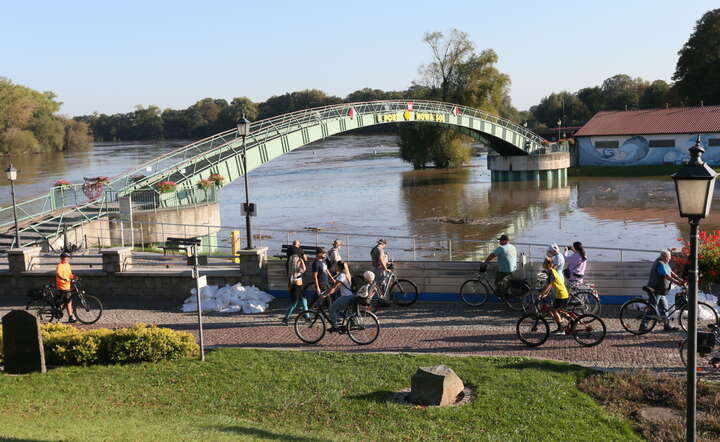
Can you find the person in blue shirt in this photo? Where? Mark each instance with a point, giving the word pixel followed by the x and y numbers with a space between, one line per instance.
pixel 506 255
pixel 661 277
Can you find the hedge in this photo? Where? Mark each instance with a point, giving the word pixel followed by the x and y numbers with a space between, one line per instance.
pixel 67 345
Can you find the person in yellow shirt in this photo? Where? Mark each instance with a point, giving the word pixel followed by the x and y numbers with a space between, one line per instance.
pixel 63 282
pixel 561 293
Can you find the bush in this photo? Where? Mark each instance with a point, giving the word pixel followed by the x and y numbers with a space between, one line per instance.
pixel 67 345
pixel 18 141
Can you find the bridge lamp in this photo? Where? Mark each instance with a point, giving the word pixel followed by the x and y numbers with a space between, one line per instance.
pixel 243 127
pixel 694 185
pixel 11 173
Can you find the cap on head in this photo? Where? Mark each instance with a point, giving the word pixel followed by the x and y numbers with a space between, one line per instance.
pixel 503 238
pixel 64 255
pixel 553 248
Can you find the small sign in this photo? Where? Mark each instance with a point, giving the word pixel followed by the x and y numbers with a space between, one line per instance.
pixel 126 214
pixel 202 281
pixel 249 209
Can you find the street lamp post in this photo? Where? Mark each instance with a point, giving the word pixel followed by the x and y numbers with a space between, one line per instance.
pixel 559 123
pixel 11 173
pixel 243 127
pixel 694 185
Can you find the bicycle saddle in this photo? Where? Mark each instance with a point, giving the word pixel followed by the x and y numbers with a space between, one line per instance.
pixel 649 290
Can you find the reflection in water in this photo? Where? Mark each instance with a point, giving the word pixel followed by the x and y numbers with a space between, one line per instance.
pixel 460 203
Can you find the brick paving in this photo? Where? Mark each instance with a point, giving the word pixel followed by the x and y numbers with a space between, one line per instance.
pixel 427 327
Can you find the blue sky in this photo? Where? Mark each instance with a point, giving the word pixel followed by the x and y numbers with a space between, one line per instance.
pixel 110 56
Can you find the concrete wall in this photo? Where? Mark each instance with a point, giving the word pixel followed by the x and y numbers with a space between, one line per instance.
pixel 551 161
pixel 635 150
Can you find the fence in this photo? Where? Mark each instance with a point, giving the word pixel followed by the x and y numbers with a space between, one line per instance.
pixel 356 247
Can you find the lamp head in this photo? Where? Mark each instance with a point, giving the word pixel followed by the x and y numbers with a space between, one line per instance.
pixel 243 126
pixel 11 173
pixel 694 184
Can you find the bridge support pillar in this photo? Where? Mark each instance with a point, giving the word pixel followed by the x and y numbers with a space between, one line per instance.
pixel 115 260
pixel 252 266
pixel 551 168
pixel 21 260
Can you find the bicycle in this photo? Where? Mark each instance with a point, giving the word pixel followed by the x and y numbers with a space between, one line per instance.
pixel 361 326
pixel 639 316
pixel 50 307
pixel 584 298
pixel 533 329
pixel 475 292
pixel 708 350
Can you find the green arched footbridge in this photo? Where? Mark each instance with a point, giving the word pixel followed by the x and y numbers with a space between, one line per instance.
pixel 222 154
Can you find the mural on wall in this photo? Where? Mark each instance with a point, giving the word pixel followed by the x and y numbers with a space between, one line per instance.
pixel 636 151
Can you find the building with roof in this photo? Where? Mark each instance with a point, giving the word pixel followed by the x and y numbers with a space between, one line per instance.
pixel 649 136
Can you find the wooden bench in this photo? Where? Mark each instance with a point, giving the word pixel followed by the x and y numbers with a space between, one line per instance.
pixel 309 251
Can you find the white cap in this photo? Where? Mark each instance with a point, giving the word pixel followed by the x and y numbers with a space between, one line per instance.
pixel 553 248
pixel 369 276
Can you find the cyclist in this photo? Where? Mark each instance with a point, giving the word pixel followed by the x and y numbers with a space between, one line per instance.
pixel 320 274
pixel 558 259
pixel 342 283
pixel 63 282
pixel 561 293
pixel 661 277
pixel 506 255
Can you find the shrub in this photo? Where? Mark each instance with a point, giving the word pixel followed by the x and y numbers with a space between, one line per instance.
pixel 67 345
pixel 166 186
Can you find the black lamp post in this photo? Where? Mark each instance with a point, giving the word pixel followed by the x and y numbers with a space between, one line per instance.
pixel 11 173
pixel 694 185
pixel 243 127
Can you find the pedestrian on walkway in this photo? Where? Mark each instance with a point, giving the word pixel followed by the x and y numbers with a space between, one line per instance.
pixel 575 263
pixel 296 268
pixel 506 255
pixel 660 280
pixel 558 259
pixel 379 262
pixel 333 256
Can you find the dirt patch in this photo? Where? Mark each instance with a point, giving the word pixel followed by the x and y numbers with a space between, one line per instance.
pixel 655 403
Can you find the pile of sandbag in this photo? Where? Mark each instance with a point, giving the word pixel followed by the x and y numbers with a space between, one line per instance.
pixel 228 299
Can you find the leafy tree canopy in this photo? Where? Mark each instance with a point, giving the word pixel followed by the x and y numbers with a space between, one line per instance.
pixel 697 74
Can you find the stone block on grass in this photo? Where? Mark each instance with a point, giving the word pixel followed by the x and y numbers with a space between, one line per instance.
pixel 436 385
pixel 22 343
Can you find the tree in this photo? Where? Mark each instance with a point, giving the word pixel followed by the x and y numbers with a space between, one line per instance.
pixel 697 73
pixel 564 106
pixel 621 92
pixel 291 102
pixel 147 123
pixel 656 95
pixel 456 74
pixel 592 98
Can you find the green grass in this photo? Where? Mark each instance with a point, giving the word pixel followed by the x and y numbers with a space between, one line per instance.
pixel 302 396
pixel 664 170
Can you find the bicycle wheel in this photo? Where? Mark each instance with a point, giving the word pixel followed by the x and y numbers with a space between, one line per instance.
pixel 403 292
pixel 706 316
pixel 309 326
pixel 474 292
pixel 363 327
pixel 533 330
pixel 87 309
pixel 704 362
pixel 638 316
pixel 514 299
pixel 43 310
pixel 588 330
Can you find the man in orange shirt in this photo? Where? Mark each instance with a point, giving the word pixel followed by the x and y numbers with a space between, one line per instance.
pixel 63 278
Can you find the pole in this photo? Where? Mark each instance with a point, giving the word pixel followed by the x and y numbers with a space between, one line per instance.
pixel 247 197
pixel 692 331
pixel 17 231
pixel 196 274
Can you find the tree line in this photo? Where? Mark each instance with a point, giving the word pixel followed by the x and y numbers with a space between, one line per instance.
pixel 29 124
pixel 696 82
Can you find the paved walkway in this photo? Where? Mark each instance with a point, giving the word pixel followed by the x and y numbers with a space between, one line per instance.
pixel 427 327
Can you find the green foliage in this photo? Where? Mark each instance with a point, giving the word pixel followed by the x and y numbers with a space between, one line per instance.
pixel 67 345
pixel 697 73
pixel 294 101
pixel 28 123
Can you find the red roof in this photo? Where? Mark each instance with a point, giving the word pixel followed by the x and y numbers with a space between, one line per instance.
pixel 674 120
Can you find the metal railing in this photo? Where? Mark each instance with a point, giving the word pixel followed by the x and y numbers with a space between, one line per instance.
pixel 216 241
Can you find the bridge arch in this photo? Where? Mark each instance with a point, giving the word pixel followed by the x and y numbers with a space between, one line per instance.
pixel 276 136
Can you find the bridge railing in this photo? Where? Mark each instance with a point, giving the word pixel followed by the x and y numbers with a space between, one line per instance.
pixel 56 198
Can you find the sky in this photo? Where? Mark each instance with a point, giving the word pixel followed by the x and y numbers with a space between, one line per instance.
pixel 108 57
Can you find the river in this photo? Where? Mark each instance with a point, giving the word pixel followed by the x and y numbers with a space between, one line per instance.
pixel 358 185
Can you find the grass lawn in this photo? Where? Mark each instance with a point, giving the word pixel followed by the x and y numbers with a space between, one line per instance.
pixel 301 396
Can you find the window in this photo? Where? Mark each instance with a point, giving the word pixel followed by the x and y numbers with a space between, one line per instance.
pixel 714 142
pixel 607 144
pixel 662 143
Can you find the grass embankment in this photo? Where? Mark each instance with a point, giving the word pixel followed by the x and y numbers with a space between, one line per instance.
pixel 623 171
pixel 302 396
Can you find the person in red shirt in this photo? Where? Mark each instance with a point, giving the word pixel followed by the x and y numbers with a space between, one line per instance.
pixel 63 282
